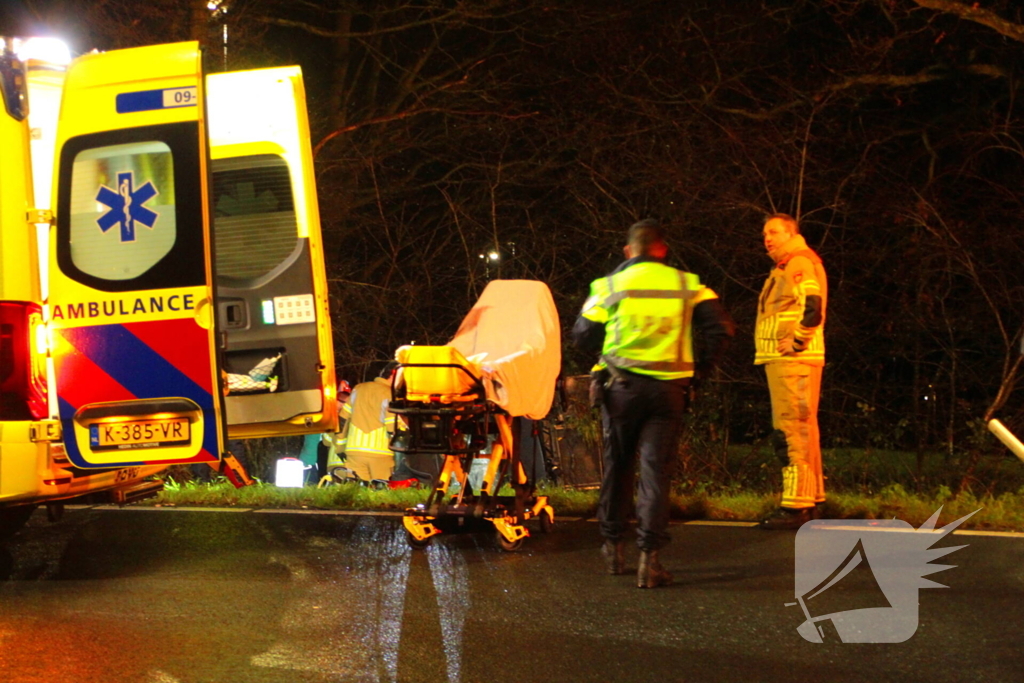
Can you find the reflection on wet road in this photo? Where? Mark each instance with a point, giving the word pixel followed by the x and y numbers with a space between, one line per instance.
pixel 451 582
pixel 155 596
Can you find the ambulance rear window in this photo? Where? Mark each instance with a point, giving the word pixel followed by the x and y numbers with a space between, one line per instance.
pixel 122 211
pixel 255 228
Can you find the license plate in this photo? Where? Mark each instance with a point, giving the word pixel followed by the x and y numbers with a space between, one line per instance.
pixel 140 433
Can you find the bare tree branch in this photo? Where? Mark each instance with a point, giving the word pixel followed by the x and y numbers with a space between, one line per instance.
pixel 328 33
pixel 406 114
pixel 979 15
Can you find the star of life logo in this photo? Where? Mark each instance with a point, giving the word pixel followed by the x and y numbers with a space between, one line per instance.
pixel 126 205
pixel 857 581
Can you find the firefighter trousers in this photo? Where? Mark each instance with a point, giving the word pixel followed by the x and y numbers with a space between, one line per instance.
pixel 370 466
pixel 641 416
pixel 795 389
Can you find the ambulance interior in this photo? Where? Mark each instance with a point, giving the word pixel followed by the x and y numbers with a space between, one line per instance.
pixel 261 261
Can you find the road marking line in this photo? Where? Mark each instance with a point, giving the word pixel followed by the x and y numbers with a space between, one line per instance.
pixel 153 507
pixel 350 513
pixel 391 513
pixel 880 529
pixel 280 511
pixel 979 532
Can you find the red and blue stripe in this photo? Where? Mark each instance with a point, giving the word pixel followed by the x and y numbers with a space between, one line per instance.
pixel 144 360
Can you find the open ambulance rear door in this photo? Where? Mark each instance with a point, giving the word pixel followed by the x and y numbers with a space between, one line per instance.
pixel 272 301
pixel 131 305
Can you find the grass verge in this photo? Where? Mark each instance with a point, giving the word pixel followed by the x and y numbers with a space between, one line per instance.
pixel 1004 512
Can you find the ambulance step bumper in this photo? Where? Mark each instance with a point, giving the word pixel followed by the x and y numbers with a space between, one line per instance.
pixel 133 494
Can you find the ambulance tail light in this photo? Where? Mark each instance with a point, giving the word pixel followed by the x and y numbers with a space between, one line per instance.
pixel 23 394
pixel 13 85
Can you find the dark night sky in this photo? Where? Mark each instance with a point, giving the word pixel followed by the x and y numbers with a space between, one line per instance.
pixel 894 129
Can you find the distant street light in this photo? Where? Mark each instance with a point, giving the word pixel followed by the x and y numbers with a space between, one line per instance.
pixel 219 10
pixel 491 259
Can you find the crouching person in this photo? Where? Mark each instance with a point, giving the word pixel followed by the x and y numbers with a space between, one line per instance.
pixel 366 435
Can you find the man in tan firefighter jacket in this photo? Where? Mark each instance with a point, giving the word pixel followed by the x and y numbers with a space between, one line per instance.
pixel 790 343
pixel 642 319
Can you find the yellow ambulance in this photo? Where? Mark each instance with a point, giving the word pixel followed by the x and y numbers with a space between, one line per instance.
pixel 182 299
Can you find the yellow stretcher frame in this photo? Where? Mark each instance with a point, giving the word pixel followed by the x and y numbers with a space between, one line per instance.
pixel 427 520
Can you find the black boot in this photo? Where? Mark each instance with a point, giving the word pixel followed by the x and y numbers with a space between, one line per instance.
pixel 614 554
pixel 787 518
pixel 650 573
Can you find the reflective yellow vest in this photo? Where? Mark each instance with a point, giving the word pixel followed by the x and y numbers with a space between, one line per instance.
pixel 647 311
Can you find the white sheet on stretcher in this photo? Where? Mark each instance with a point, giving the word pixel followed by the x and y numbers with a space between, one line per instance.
pixel 513 335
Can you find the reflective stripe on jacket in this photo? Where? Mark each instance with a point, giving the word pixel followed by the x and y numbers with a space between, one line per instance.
pixel 647 309
pixel 792 305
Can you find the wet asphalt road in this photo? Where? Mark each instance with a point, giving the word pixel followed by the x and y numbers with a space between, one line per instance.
pixel 159 596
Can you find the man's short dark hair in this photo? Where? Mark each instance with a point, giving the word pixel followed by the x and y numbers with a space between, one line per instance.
pixel 786 218
pixel 389 367
pixel 644 235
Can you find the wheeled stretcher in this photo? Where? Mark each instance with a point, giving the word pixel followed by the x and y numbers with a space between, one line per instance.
pixel 459 401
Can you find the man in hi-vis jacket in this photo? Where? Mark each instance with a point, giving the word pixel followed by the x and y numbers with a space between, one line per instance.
pixel 790 343
pixel 642 319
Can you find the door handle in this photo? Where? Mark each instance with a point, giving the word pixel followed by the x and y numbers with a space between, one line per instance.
pixel 204 313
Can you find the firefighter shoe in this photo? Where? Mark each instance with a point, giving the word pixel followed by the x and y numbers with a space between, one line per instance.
pixel 787 518
pixel 650 573
pixel 614 554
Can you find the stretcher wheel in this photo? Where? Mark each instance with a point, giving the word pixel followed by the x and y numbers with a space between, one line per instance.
pixel 547 521
pixel 416 543
pixel 509 546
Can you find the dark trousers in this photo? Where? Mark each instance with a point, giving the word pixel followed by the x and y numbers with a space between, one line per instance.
pixel 641 416
pixel 323 452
